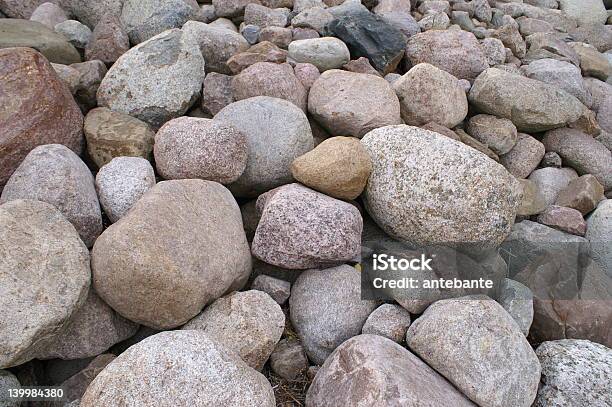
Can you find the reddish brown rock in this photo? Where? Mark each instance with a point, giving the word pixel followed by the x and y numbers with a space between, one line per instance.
pixel 582 194
pixel 262 52
pixel 216 93
pixel 109 40
pixel 361 65
pixel 565 219
pixel 37 108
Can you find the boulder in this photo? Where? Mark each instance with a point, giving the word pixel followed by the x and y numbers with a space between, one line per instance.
pixel 261 16
pixel 585 11
pixel 19 8
pixel 144 19
pixel 231 8
pixel 562 74
pixel 574 373
pixel 49 14
pixel 54 266
pixel 388 320
pixel 289 360
pixel 499 135
pixel 108 41
pixel 121 183
pixel 111 134
pixel 314 18
pixel 189 147
pixel 330 235
pixel 582 194
pixel 55 174
pixel 278 289
pixel 550 181
pixel 151 371
pixel 264 51
pixel 217 44
pixel 216 93
pixel 324 53
pixel 524 157
pixel 532 106
pixel 270 79
pixel 338 167
pixel 415 171
pixel 76 385
pixel 477 346
pixel 327 309
pixel 91 12
pixel 581 152
pixel 279 36
pixel 9 381
pixel 363 369
pixel 38 109
pixel 454 51
pixel 599 230
pixel 91 74
pixel 169 281
pixel 23 33
pixel 77 34
pixel 532 201
pixel 249 323
pixel 157 80
pixel 348 103
pixel 92 330
pixel 564 219
pixel 429 94
pixel 517 300
pixel 270 156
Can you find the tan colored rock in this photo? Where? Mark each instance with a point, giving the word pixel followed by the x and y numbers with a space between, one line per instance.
pixel 582 194
pixel 263 51
pixel 338 167
pixel 111 134
pixel 498 134
pixel 533 201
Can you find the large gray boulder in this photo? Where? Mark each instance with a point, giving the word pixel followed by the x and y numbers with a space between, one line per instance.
pixel 363 369
pixel 575 373
pixel 551 181
pixel 420 190
pixel 599 234
pixel 477 346
pixel 327 309
pixel 324 53
pixel 563 74
pixel 272 143
pixel 329 235
pixel 144 19
pixel 181 246
pixel 42 258
pixel 55 174
pixel 585 11
pixel 249 323
pixel 150 373
pixel 533 106
pixel 157 80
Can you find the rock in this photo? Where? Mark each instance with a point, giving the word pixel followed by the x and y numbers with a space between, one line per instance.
pixel 49 14
pixel 348 103
pixel 28 276
pixel 92 330
pixel 224 23
pixel 376 365
pixel 582 194
pixel 428 94
pixel 598 233
pixel 68 75
pixel 303 34
pixel 511 37
pixel 248 323
pixel 19 8
pixel 147 372
pixel 111 134
pixel 91 75
pixel 307 74
pixel 262 52
pixel 338 167
pixel 270 157
pixel 279 36
pixel 8 381
pixel 551 159
pixel 436 128
pixel 564 219
pixel 585 11
pixel 155 81
pixel 528 26
pixel 494 51
pixel 250 33
pixel 108 41
pixel 231 8
pixel 371 36
pixel 524 157
pixel 146 19
pixel 499 135
pixel 270 79
pixel 217 44
pixel 75 386
pixel 77 34
pixel 430 168
pixel 327 309
pixel 361 65
pixel 574 373
pixel 301 5
pixel 54 174
pixel 454 51
pixel 434 20
pixel 200 148
pixel 22 33
pixel 562 74
pixel 532 201
pixel 551 181
pixel 582 152
pixel 91 12
pixel 315 18
pixel 477 346
pixel 289 360
pixel 170 282
pixel 388 320
pixel 529 240
pixel 597 35
pixel 592 62
pixel 517 300
pixel 278 289
pixel 324 53
pixel 216 93
pixel 502 94
pixel 262 16
pixel 475 144
pixel 329 236
pixel 121 183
